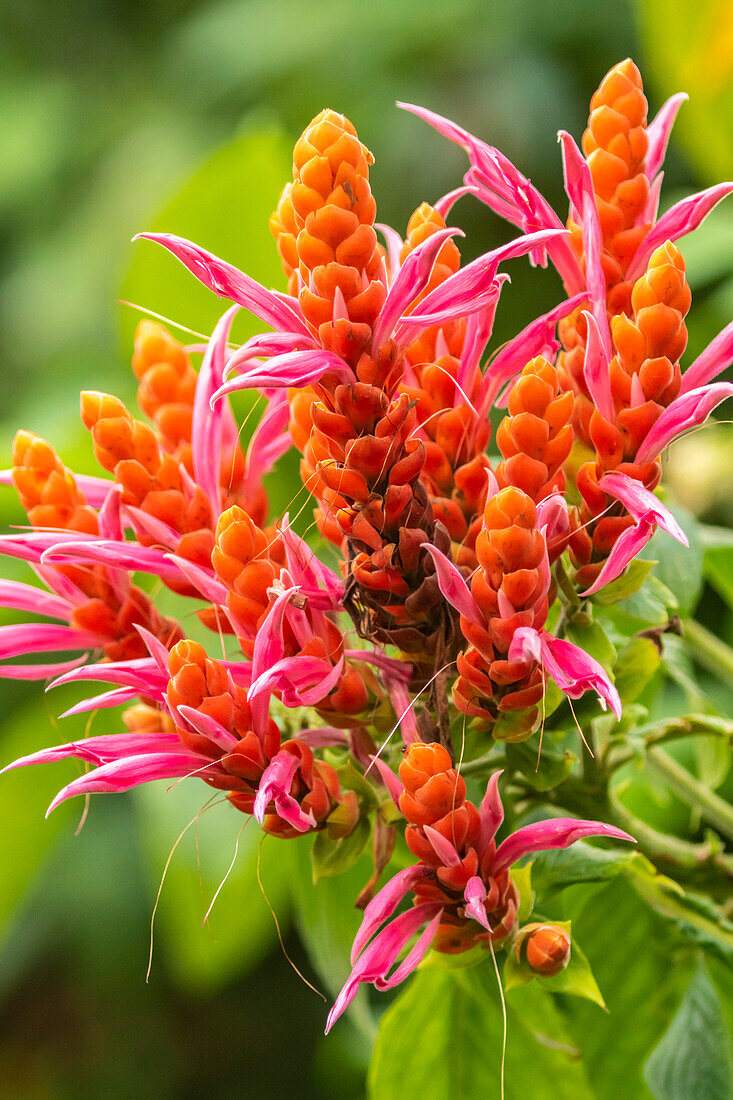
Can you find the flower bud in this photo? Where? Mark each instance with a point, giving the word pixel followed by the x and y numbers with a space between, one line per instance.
pixel 546 946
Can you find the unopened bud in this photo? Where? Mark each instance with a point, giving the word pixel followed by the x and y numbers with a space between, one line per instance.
pixel 547 948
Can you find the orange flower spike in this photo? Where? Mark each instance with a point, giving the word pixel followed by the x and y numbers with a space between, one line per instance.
pixel 340 262
pixel 47 489
pixel 242 563
pixel 284 229
pixel 423 224
pixel 615 144
pixel 536 437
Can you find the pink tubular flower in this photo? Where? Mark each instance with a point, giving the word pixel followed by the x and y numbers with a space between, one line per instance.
pixel 462 894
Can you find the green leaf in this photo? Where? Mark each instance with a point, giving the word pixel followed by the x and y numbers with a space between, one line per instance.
pixel 652 606
pixel 241 929
pixel 522 879
pixel 693 1057
pixel 636 664
pixel 624 586
pixel 679 567
pixel 333 857
pixel 576 978
pixel 630 950
pixel 442 1040
pixel 694 916
pixel 579 863
pixel 718 570
pixel 542 772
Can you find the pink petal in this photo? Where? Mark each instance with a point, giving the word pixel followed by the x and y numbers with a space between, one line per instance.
pixel 39 672
pixel 383 905
pixel 203 579
pixel 322 737
pixel 716 358
pixel 275 787
pixel 404 709
pixel 572 669
pixel 454 587
pixel 208 422
pixel 444 850
pixel 99 702
pixel 121 775
pixel 110 521
pixel 475 895
pixel 682 218
pixel 394 244
pixel 142 674
pixel 642 504
pixel 412 278
pixel 559 832
pixel 445 204
pixel 208 727
pixel 374 963
pixel 461 292
pixel 44 637
pixel 391 781
pixel 118 555
pixel 297 368
pixel 491 812
pixel 511 195
pixel 579 187
pixel 24 597
pixel 627 546
pixel 658 133
pixel 277 310
pixel 686 412
pixel 413 958
pixel 270 439
pixel 596 372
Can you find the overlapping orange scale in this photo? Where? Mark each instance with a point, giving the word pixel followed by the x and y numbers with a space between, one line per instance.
pixel 536 437
pixel 341 267
pixel 615 144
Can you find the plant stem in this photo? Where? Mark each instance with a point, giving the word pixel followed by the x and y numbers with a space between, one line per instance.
pixel 669 849
pixel 709 650
pixel 710 806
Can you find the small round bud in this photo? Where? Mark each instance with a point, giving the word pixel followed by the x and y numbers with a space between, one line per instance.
pixel 548 949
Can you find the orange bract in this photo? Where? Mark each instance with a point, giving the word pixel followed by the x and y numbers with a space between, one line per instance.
pixel 341 267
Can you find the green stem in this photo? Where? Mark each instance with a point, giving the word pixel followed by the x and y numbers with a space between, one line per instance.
pixel 618 753
pixel 669 849
pixel 710 806
pixel 708 650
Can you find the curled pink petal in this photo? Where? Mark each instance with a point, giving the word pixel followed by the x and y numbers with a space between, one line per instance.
pixel 686 412
pixel 642 504
pixel 273 308
pixel 295 368
pixel 412 278
pixel 572 669
pixel 121 775
pixel 24 597
pixel 383 905
pixel 43 638
pixel 454 587
pixel 682 218
pixel 558 832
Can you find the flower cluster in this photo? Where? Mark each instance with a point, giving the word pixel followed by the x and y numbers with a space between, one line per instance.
pixel 439 610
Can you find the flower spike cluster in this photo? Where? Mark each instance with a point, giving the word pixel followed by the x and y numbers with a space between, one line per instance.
pixel 434 609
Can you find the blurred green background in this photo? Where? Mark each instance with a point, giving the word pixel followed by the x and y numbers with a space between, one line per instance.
pixel 120 117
